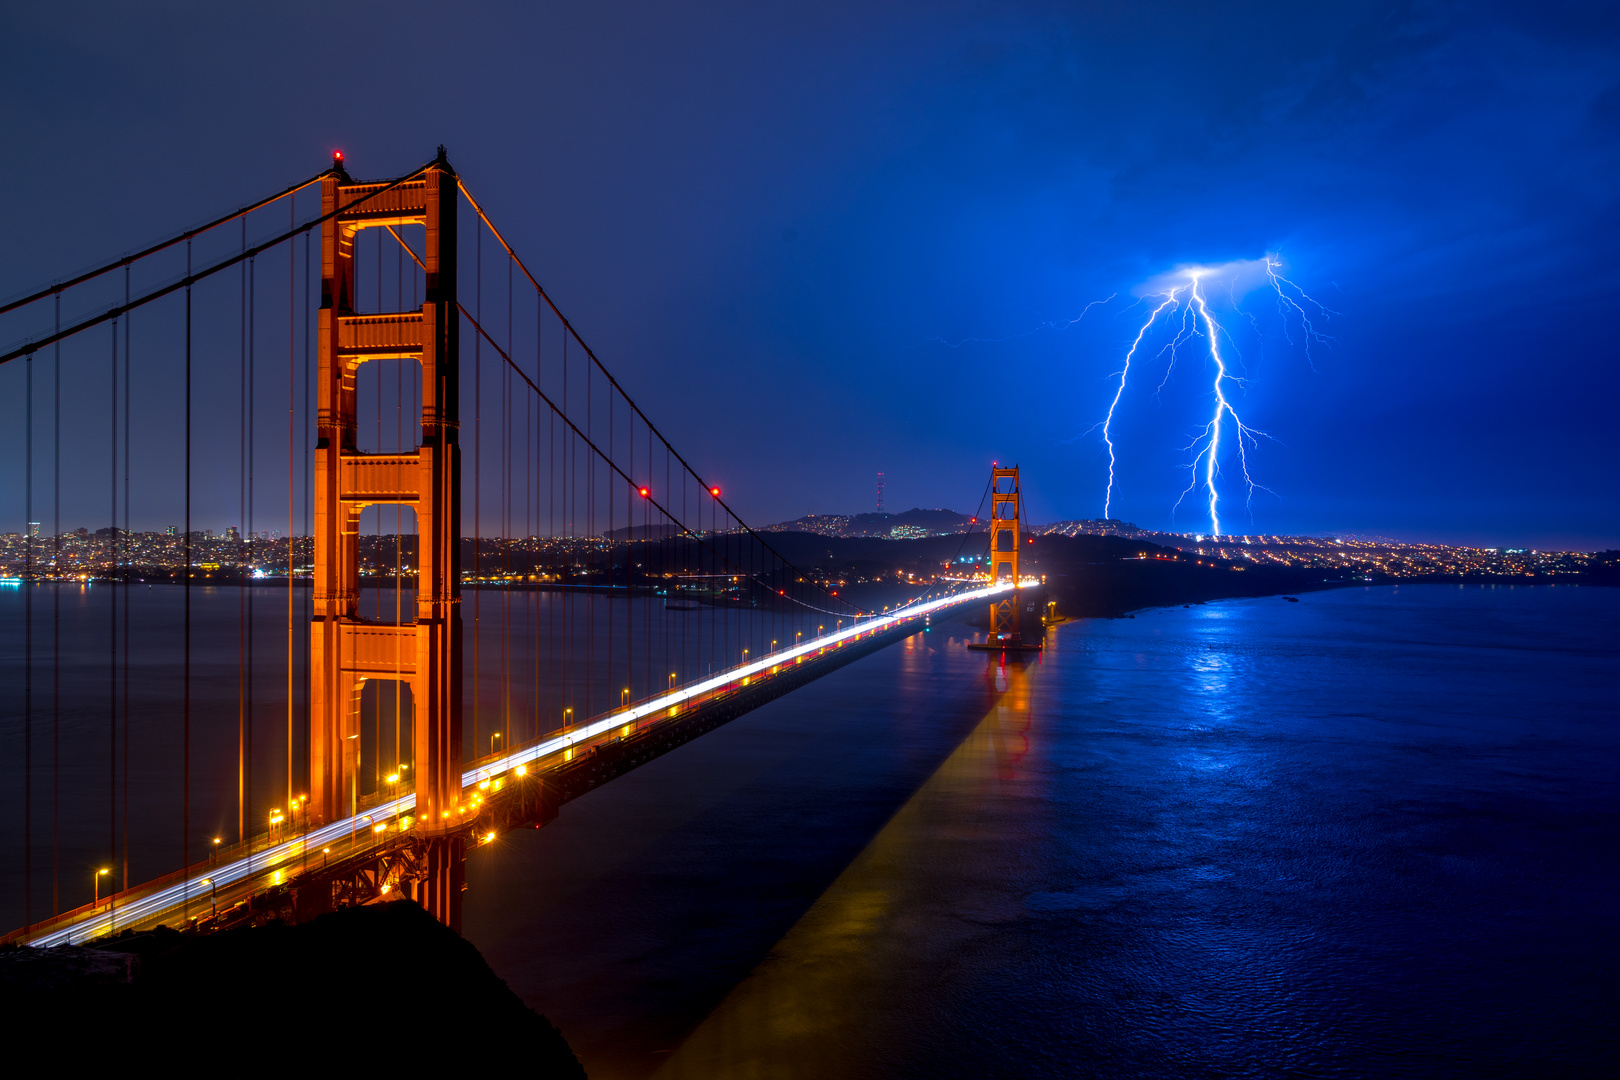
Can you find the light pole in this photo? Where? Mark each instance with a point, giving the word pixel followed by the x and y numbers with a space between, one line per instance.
pixel 624 698
pixel 672 680
pixel 96 879
pixel 492 739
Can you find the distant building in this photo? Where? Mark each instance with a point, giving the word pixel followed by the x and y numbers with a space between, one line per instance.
pixel 33 528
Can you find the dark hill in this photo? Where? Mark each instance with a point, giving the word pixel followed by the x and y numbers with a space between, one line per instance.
pixel 384 983
pixel 1091 576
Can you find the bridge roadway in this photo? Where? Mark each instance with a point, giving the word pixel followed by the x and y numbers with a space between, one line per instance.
pixel 545 774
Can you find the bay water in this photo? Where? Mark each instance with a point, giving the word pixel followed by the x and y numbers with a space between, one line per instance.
pixel 1368 833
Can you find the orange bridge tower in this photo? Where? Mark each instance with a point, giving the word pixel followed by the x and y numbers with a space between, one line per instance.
pixel 424 652
pixel 1006 543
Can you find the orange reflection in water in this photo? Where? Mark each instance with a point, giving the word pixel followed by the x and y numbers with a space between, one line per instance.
pixel 929 886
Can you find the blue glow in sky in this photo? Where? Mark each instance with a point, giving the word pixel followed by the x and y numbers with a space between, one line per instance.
pixel 770 219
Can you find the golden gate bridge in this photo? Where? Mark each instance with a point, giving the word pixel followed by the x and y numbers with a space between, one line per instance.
pixel 618 606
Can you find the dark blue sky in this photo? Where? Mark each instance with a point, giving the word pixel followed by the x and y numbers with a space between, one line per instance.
pixel 780 224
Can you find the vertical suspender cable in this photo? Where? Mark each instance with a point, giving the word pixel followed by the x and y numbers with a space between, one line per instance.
pixel 399 508
pixel 309 496
pixel 185 594
pixel 127 560
pixel 611 697
pixel 292 428
pixel 241 587
pixel 56 623
pixel 112 610
pixel 478 466
pixel 590 533
pixel 28 642
pixel 247 544
pixel 506 526
pixel 531 482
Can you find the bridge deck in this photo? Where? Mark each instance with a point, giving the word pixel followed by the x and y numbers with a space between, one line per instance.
pixel 362 856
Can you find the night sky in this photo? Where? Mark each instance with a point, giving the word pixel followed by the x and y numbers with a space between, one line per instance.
pixel 819 241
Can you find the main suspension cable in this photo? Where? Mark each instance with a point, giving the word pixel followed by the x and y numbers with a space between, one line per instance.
pixel 192 278
pixel 125 262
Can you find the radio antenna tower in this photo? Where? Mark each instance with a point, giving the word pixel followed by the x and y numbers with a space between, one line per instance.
pixel 880 493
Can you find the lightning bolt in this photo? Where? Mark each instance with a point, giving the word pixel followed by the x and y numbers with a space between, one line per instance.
pixel 1197 320
pixel 1119 392
pixel 1209 452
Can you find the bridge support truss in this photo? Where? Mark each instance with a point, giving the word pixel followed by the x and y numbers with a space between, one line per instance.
pixel 424 652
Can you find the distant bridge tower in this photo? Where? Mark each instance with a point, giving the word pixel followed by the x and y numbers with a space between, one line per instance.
pixel 1006 542
pixel 424 653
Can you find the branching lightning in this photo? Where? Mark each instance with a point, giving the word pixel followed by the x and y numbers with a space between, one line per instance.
pixel 1184 293
pixel 1311 333
pixel 1119 392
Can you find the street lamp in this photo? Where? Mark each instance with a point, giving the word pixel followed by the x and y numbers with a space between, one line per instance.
pixel 97 880
pixel 492 739
pixel 672 680
pixel 624 698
